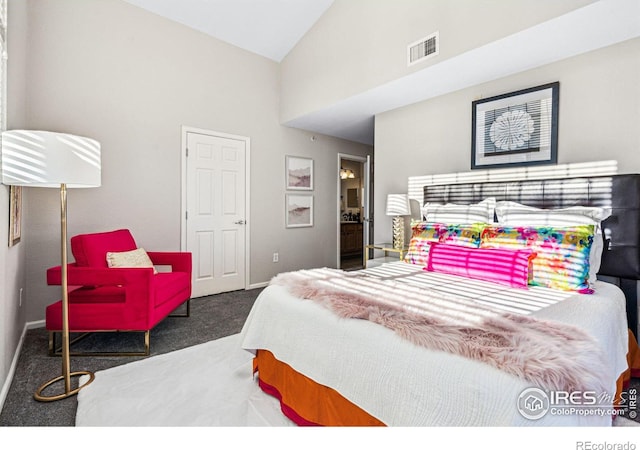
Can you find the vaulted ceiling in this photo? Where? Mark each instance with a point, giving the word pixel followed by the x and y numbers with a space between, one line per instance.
pixel 271 28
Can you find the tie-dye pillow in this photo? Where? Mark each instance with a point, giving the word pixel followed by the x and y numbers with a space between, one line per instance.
pixel 562 253
pixel 422 233
pixel 517 214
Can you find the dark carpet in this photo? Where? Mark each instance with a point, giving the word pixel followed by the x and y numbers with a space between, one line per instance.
pixel 211 318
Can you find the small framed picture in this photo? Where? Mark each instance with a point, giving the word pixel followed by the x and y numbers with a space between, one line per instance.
pixel 299 173
pixel 15 215
pixel 516 129
pixel 299 210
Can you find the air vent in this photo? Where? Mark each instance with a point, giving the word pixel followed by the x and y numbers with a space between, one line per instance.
pixel 423 49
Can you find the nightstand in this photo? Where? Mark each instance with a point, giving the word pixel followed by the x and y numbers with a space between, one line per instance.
pixel 390 254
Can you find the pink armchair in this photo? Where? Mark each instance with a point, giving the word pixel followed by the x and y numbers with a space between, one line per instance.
pixel 117 299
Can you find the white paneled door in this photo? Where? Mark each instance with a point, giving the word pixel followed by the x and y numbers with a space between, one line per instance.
pixel 216 212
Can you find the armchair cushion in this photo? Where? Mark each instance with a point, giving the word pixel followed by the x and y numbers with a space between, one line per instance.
pixel 90 250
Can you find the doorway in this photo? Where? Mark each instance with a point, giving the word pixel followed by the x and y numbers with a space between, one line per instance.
pixel 215 210
pixel 353 210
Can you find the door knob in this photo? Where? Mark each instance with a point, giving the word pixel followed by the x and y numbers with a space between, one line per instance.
pixel 239 222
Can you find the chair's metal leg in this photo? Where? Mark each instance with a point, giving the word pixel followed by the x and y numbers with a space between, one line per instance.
pixel 147 345
pixel 187 314
pixel 52 343
pixel 53 351
pixel 147 341
pixel 58 351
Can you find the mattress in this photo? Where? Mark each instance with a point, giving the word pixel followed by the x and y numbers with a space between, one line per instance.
pixel 402 384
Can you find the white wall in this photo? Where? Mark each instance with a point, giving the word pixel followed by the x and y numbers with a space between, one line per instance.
pixel 358 45
pixel 12 273
pixel 131 80
pixel 599 114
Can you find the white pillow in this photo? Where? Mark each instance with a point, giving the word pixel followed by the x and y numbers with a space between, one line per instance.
pixel 512 213
pixel 452 213
pixel 517 214
pixel 132 259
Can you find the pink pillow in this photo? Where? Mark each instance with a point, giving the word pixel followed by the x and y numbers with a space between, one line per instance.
pixel 503 266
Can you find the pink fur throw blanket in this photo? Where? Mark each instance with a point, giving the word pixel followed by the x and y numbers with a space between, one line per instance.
pixel 550 355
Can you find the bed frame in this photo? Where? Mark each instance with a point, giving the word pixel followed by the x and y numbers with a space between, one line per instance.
pixel 621 193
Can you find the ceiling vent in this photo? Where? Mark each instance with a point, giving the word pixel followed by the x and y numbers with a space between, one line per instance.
pixel 423 49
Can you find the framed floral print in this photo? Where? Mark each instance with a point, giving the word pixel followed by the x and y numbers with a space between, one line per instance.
pixel 516 129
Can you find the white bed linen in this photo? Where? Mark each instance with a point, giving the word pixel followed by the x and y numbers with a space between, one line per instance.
pixel 402 384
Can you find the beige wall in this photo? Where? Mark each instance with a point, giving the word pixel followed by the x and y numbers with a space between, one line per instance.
pixel 599 114
pixel 12 267
pixel 361 44
pixel 131 80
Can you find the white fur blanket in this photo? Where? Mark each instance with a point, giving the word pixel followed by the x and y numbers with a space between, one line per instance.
pixel 550 355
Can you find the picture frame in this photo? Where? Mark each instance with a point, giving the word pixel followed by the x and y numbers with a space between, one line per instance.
pixel 299 210
pixel 15 215
pixel 299 173
pixel 516 129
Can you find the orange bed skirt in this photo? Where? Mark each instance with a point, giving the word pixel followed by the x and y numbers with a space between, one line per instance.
pixel 303 400
pixel 633 371
pixel 308 403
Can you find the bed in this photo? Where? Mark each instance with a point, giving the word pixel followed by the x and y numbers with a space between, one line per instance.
pixel 428 342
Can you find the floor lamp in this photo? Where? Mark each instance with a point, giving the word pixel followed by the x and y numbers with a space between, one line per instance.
pixel 53 160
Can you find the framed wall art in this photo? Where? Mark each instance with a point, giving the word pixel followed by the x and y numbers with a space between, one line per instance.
pixel 299 210
pixel 299 173
pixel 15 215
pixel 516 129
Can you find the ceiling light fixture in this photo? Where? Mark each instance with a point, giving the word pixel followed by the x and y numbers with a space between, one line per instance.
pixel 346 173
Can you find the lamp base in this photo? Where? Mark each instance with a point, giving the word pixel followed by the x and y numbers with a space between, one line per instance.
pixel 66 363
pixel 68 392
pixel 398 232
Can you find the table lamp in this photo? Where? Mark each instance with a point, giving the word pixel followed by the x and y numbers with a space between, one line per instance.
pixel 53 160
pixel 398 206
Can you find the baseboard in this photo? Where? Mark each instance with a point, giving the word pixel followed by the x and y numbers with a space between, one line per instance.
pixel 16 357
pixel 258 285
pixel 12 368
pixel 36 324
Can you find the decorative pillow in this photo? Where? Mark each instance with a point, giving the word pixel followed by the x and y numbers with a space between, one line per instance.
pixel 133 258
pixel 418 252
pixel 512 213
pixel 460 214
pixel 503 266
pixel 562 253
pixel 423 233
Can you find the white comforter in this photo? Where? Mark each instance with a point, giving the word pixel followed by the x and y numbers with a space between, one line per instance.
pixel 402 384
